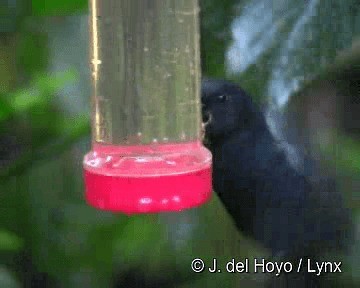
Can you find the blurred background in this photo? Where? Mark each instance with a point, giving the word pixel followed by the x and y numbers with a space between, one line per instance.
pixel 300 57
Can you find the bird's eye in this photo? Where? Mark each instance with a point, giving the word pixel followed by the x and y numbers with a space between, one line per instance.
pixel 223 98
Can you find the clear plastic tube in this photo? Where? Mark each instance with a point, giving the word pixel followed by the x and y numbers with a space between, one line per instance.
pixel 145 107
pixel 145 71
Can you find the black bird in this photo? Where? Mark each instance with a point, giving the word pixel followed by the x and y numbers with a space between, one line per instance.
pixel 269 199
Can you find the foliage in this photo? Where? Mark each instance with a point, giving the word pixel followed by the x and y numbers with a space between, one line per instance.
pixel 282 46
pixel 9 241
pixel 58 7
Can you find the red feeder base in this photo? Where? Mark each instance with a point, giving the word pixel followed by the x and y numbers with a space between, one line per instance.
pixel 148 179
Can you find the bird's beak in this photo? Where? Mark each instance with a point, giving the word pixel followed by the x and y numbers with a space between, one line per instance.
pixel 205 138
pixel 203 125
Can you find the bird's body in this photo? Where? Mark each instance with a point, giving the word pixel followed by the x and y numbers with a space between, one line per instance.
pixel 267 197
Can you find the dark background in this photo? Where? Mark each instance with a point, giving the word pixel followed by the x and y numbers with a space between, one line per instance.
pixel 301 56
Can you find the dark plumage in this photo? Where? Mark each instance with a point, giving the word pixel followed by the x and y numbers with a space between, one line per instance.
pixel 268 199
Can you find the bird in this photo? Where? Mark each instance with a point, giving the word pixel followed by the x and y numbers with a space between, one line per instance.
pixel 290 210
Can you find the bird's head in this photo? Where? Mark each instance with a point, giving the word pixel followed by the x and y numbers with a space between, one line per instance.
pixel 226 108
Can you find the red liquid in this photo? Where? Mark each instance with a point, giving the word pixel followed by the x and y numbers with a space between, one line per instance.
pixel 169 177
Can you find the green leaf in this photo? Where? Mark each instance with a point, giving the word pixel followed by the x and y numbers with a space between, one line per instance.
pixel 58 7
pixel 346 154
pixel 37 95
pixel 9 241
pixel 40 91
